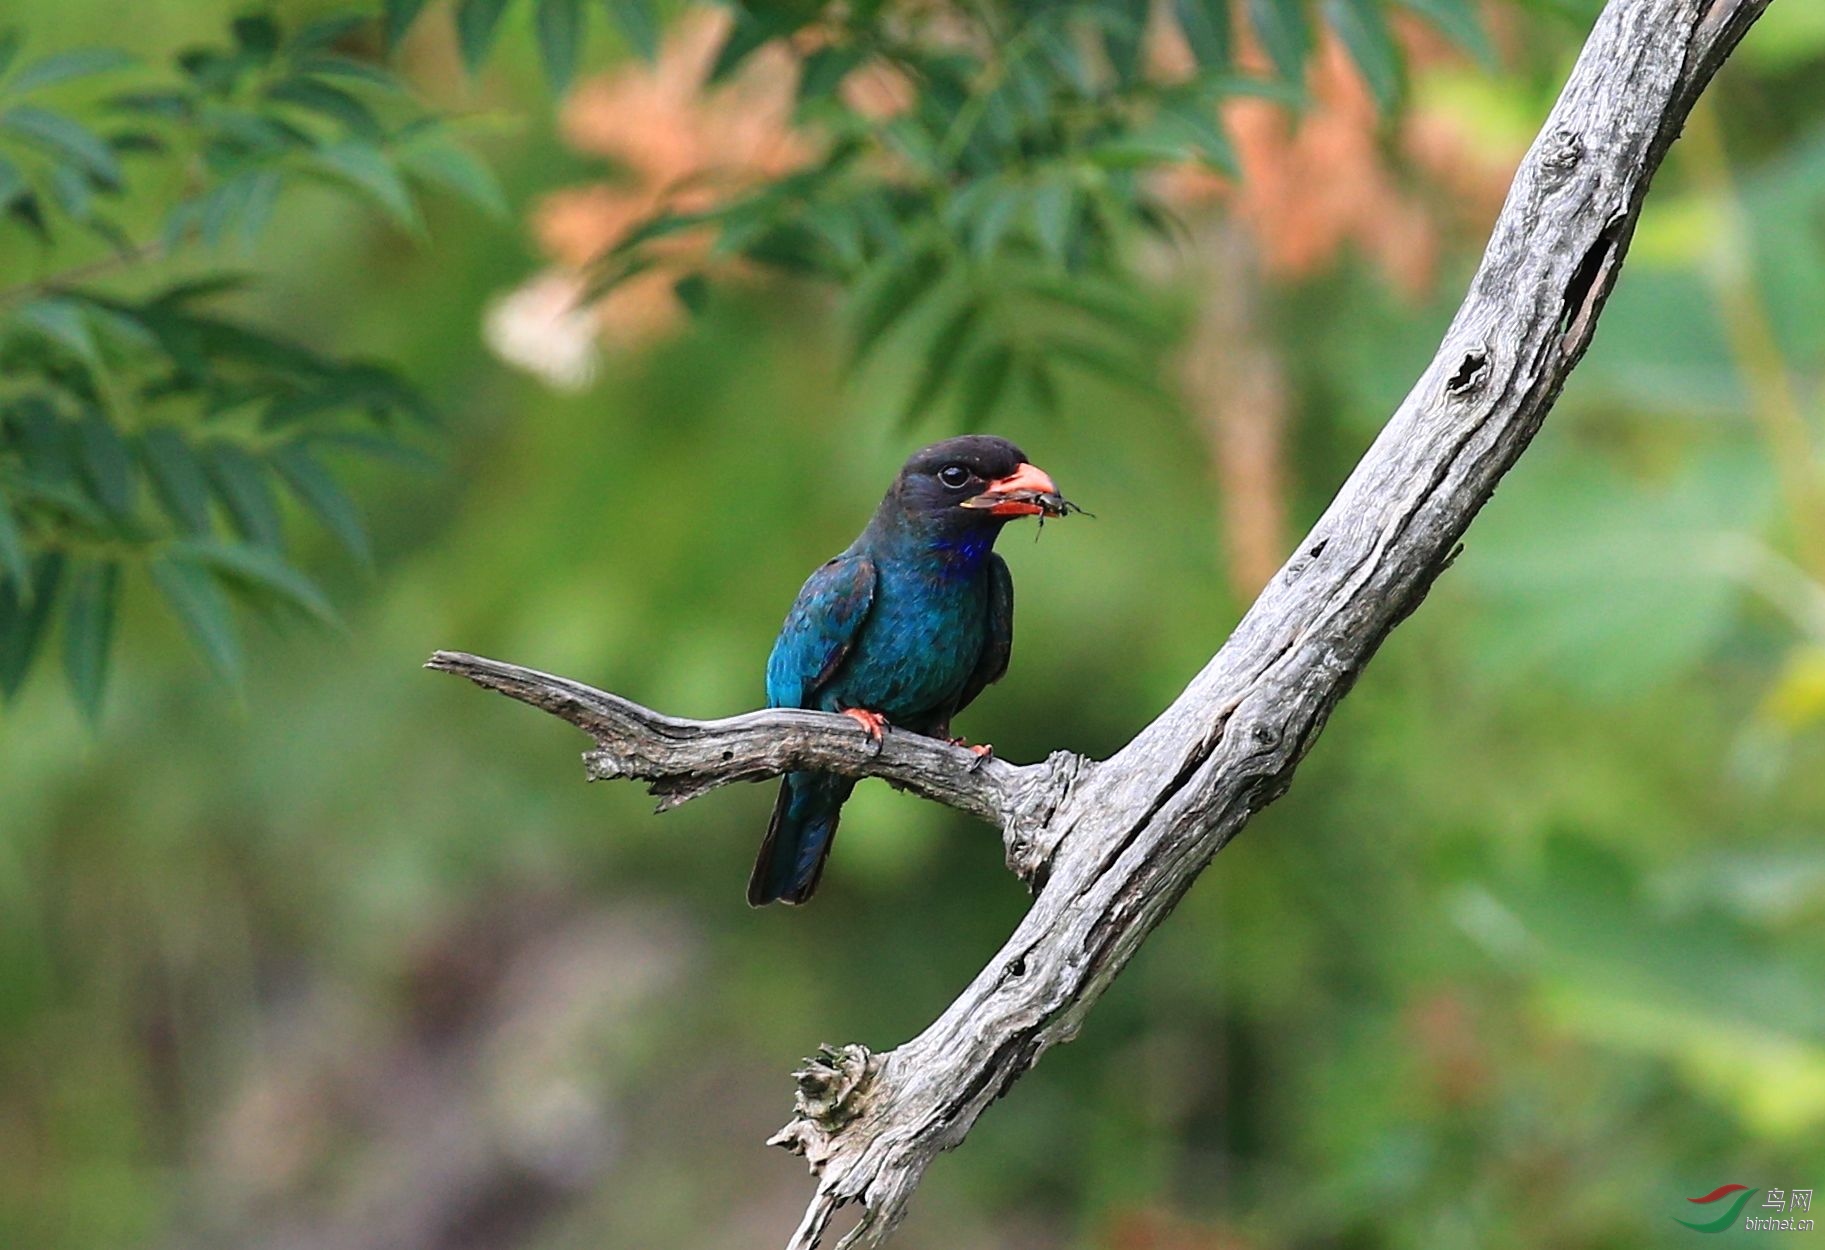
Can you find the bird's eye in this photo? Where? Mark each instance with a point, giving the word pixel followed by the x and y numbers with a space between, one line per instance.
pixel 954 476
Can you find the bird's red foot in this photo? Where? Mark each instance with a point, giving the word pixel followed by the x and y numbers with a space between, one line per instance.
pixel 981 750
pixel 873 722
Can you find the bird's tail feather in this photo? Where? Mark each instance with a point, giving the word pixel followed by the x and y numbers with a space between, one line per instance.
pixel 799 837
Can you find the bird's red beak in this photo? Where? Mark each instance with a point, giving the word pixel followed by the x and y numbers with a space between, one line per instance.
pixel 1020 493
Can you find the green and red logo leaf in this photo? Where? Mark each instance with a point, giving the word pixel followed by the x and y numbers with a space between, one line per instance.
pixel 1743 1194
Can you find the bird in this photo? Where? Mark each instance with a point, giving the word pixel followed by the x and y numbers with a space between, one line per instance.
pixel 903 629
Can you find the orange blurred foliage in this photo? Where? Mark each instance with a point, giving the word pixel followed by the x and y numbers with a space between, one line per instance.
pixel 1337 175
pixel 677 144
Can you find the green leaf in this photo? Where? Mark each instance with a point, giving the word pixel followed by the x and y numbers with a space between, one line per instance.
pixel 750 33
pixel 173 106
pixel 196 290
pixel 560 31
pixel 824 71
pixel 941 358
pixel 839 231
pixel 29 212
pixel 896 286
pixel 324 496
pixel 400 14
pixel 693 291
pixel 1201 127
pixel 12 183
pixel 328 101
pixel 1461 22
pixel 177 478
pixel 324 33
pixel 73 507
pixel 366 168
pixel 200 606
pixel 62 67
pixel 242 486
pixel 1064 55
pixel 637 23
pixel 1104 300
pixel 62 322
pixel 1205 24
pixel 23 614
pixel 107 465
pixel 1041 383
pixel 1054 207
pixel 180 224
pixel 999 209
pixel 213 70
pixel 88 632
pixel 1140 149
pixel 1030 89
pixel 257 36
pixel 1285 34
pixel 219 208
pixel 1124 35
pixel 477 23
pixel 110 232
pixel 984 378
pixel 257 203
pixel 14 567
pixel 457 170
pixel 1112 366
pixel 378 448
pixel 1363 27
pixel 72 192
pixel 10 41
pixel 335 66
pixel 119 330
pixel 258 572
pixel 138 142
pixel 65 139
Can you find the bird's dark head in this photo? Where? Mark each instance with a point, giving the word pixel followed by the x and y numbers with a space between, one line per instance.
pixel 976 481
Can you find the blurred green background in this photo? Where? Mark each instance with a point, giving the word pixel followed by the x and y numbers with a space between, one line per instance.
pixel 1531 953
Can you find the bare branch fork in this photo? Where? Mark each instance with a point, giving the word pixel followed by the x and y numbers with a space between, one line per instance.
pixel 1109 847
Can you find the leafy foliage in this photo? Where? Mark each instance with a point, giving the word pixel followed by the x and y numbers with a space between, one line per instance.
pixel 160 433
pixel 1014 170
pixel 561 25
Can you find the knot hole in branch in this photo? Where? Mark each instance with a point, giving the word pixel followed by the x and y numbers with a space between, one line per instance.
pixel 1472 372
pixel 1302 563
pixel 1015 969
pixel 1585 293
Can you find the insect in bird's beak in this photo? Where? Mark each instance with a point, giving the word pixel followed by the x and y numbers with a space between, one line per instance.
pixel 1027 491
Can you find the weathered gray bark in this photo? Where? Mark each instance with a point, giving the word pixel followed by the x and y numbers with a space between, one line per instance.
pixel 681 759
pixel 1111 846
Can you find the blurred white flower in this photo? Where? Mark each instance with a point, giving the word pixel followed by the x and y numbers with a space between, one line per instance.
pixel 545 329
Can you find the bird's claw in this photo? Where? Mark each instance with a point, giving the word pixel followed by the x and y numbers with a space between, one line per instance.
pixel 980 750
pixel 873 723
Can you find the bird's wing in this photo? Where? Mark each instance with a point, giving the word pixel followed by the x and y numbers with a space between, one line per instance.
pixel 820 630
pixel 997 639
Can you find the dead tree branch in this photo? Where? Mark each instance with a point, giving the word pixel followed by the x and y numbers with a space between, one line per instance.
pixel 1110 847
pixel 681 759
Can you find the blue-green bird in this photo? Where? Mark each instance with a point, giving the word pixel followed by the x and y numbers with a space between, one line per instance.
pixel 904 628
